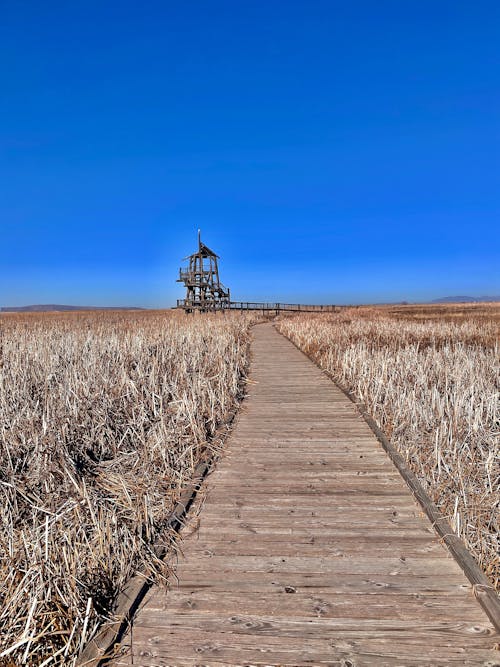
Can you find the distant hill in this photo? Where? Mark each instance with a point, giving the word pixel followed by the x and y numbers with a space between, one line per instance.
pixel 466 299
pixel 43 308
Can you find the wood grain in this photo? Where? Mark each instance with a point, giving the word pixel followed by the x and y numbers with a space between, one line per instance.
pixel 309 548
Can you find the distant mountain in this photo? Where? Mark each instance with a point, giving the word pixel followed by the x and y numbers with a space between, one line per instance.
pixel 43 308
pixel 466 299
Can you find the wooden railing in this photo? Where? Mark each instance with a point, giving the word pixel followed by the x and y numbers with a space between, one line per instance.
pixel 254 305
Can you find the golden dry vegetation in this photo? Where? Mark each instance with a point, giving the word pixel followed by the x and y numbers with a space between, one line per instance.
pixel 429 375
pixel 103 418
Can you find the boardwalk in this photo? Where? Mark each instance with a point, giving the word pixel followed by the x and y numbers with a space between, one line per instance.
pixel 309 549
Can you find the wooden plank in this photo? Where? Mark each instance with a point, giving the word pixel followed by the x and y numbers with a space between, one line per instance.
pixel 178 648
pixel 437 632
pixel 313 564
pixel 396 504
pixel 348 513
pixel 355 579
pixel 304 605
pixel 281 545
pixel 312 524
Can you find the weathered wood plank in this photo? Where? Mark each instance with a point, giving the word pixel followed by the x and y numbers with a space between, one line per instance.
pixel 281 545
pixel 176 649
pixel 305 567
pixel 438 632
pixel 375 606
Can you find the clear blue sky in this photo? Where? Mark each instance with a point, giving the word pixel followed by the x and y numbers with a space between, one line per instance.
pixel 330 151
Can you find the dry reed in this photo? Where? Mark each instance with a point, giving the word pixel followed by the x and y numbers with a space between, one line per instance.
pixel 430 378
pixel 103 418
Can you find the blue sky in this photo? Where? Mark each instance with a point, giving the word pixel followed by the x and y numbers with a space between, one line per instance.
pixel 331 152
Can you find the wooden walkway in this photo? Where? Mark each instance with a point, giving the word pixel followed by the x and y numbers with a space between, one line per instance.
pixel 309 549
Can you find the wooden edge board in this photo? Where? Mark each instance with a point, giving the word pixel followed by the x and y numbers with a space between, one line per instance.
pixel 482 589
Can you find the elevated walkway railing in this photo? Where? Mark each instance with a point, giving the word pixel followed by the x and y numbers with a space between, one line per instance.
pixel 254 305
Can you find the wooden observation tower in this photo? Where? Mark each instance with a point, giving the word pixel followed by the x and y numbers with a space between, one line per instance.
pixel 204 290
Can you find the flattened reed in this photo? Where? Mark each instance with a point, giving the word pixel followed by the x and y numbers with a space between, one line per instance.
pixel 103 418
pixel 429 375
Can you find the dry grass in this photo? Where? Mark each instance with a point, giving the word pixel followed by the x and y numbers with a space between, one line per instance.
pixel 103 419
pixel 429 375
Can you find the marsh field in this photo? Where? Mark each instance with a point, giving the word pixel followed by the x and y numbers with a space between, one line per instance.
pixel 105 415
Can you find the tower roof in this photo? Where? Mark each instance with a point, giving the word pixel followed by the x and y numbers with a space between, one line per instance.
pixel 203 250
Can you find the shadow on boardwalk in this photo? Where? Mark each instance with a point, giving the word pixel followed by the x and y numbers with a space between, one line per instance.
pixel 310 550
